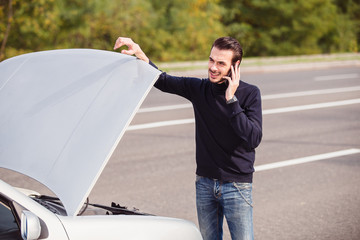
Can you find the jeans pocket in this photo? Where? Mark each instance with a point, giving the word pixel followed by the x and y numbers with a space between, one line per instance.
pixel 240 185
pixel 198 178
pixel 245 191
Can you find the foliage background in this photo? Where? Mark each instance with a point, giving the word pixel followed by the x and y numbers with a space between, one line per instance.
pixel 170 30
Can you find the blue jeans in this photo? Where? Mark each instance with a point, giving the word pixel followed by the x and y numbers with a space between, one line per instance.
pixel 216 199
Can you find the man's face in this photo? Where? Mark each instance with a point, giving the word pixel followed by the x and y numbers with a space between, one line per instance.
pixel 219 64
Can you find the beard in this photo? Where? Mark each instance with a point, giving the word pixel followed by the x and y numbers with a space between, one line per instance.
pixel 214 79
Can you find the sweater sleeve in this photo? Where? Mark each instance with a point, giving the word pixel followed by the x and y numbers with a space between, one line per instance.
pixel 246 120
pixel 182 86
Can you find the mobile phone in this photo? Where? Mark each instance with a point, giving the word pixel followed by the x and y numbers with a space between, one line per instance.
pixel 229 73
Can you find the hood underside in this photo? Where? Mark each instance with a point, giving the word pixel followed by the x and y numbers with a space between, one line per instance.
pixel 62 113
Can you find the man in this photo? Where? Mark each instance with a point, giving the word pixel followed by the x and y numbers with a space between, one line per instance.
pixel 228 120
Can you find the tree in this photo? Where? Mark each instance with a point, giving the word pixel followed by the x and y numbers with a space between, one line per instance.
pixel 32 26
pixel 134 19
pixel 181 29
pixel 5 29
pixel 281 27
pixel 347 32
pixel 187 28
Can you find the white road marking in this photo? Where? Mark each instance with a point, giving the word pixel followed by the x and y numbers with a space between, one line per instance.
pixel 337 77
pixel 265 97
pixel 309 93
pixel 311 106
pixel 160 124
pixel 164 108
pixel 265 112
pixel 306 159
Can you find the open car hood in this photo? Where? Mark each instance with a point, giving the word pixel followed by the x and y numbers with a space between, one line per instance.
pixel 63 112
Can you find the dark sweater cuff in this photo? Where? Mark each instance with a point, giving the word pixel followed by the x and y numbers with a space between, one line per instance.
pixel 152 64
pixel 235 109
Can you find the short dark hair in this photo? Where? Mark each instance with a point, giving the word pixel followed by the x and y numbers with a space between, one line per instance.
pixel 229 43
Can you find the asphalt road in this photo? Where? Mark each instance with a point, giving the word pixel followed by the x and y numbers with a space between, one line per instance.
pixel 310 117
pixel 153 168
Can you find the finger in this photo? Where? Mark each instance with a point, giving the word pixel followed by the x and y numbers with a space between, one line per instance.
pixel 226 78
pixel 119 43
pixel 235 75
pixel 128 52
pixel 237 69
pixel 232 71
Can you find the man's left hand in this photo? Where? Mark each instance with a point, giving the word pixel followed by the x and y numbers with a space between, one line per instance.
pixel 233 81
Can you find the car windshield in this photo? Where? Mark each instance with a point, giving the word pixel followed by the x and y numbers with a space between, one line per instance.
pixel 9 228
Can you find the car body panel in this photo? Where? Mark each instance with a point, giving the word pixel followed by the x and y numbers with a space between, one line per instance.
pixel 52 227
pixel 108 227
pixel 129 227
pixel 62 113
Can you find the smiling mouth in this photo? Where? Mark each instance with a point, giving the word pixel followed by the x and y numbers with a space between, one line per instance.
pixel 213 75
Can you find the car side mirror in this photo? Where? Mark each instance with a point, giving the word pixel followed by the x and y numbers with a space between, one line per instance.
pixel 30 226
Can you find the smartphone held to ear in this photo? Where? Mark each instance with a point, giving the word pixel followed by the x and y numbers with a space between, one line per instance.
pixel 229 74
pixel 234 65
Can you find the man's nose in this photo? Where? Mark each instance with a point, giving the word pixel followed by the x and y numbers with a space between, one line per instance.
pixel 213 67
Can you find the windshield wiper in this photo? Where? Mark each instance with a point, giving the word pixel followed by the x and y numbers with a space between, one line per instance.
pixel 116 209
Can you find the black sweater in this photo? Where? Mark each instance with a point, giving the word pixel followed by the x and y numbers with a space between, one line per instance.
pixel 226 134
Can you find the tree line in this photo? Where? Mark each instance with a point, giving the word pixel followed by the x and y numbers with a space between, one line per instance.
pixel 170 30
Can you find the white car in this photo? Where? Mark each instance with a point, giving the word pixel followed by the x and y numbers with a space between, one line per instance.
pixel 62 113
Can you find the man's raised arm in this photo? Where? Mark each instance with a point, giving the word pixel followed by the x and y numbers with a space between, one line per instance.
pixel 133 48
